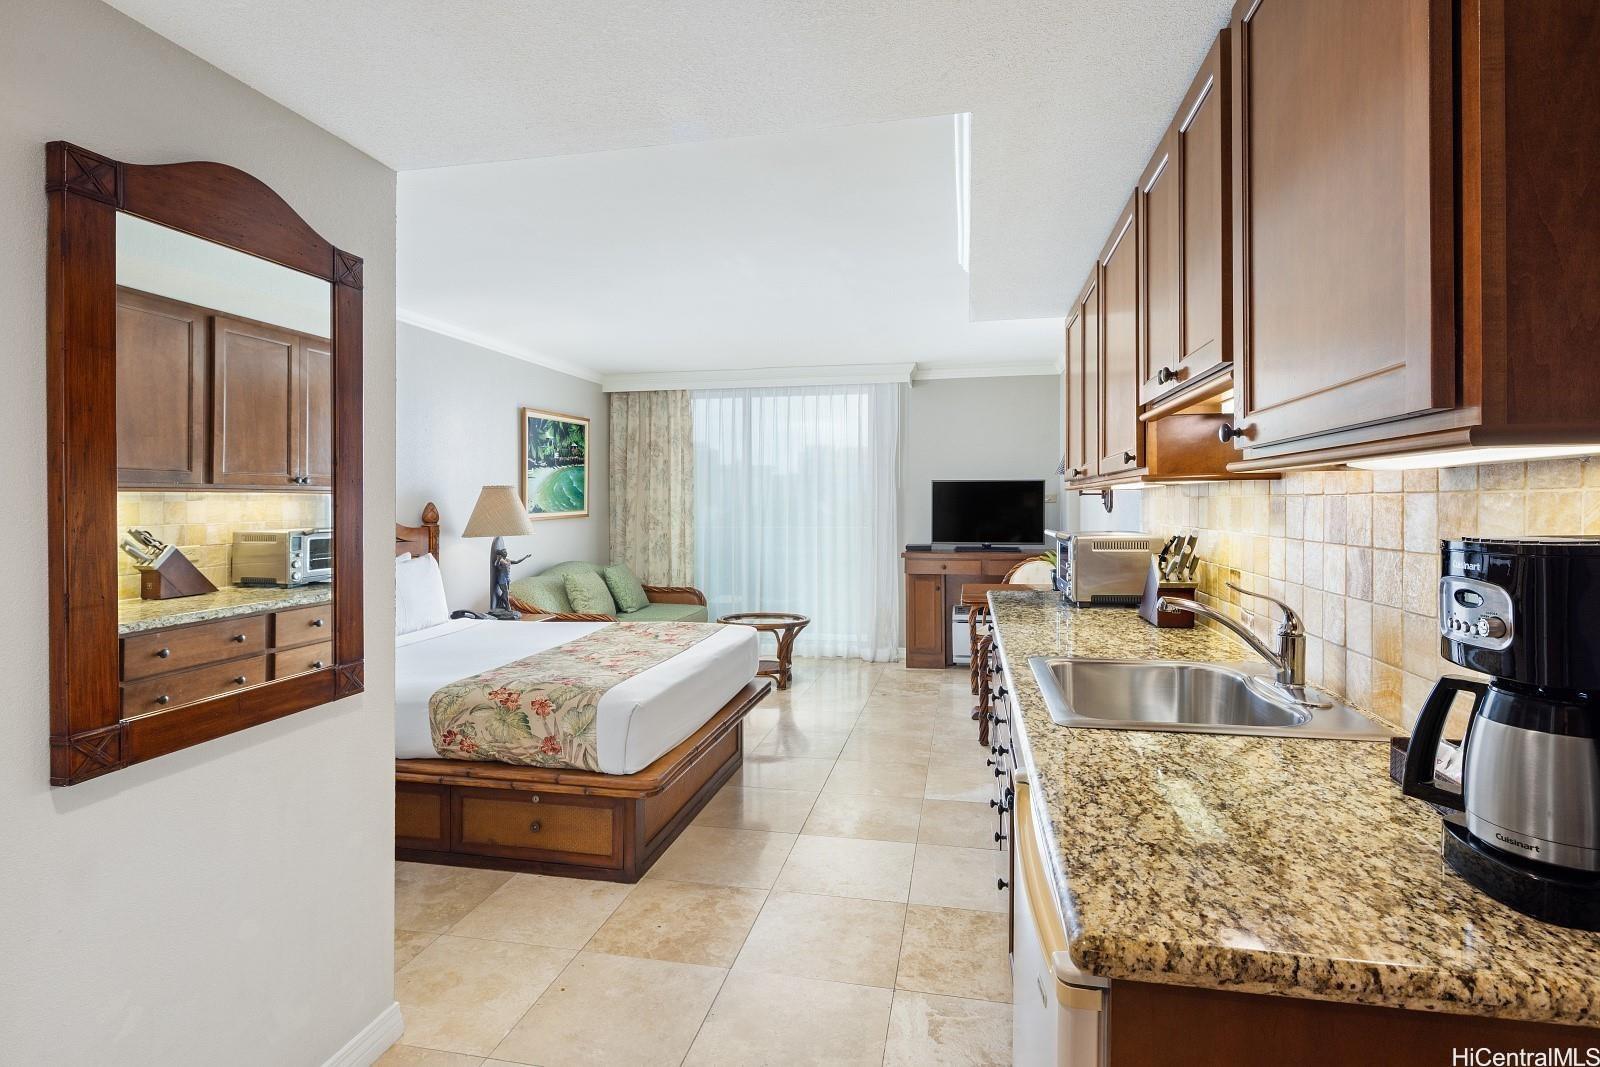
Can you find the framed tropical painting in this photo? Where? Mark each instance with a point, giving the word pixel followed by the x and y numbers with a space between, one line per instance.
pixel 555 464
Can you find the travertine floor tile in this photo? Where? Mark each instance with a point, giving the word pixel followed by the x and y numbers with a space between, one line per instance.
pixel 431 898
pixel 877 779
pixel 780 810
pixel 950 877
pixel 781 772
pixel 842 867
pixel 537 909
pixel 794 741
pixel 955 952
pixel 869 746
pixel 874 818
pixel 828 714
pixel 407 943
pixel 463 995
pixel 681 922
pixel 776 1019
pixel 958 822
pixel 927 1031
pixel 717 856
pixel 960 779
pixel 607 1010
pixel 837 939
pixel 411 1056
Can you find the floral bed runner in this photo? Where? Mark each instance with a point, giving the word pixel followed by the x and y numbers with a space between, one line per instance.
pixel 540 710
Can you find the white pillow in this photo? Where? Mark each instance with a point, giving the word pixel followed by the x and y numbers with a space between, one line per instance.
pixel 419 596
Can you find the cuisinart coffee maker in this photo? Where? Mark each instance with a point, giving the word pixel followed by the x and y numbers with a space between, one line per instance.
pixel 1527 613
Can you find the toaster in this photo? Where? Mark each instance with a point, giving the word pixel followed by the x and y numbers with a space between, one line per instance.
pixel 1103 569
pixel 282 558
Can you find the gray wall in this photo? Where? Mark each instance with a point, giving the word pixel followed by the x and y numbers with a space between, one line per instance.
pixel 457 407
pixel 977 428
pixel 231 903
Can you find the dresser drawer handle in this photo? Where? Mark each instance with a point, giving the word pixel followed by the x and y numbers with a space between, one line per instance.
pixel 533 798
pixel 240 680
pixel 238 639
pixel 164 653
pixel 162 699
pixel 316 622
pixel 535 826
pixel 317 664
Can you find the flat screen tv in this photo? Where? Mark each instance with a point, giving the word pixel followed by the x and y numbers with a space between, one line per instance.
pixel 989 513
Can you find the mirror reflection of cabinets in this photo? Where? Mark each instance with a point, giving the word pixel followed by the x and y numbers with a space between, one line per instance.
pixel 205 460
pixel 206 399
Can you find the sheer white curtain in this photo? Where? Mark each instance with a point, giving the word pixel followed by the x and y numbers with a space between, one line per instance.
pixel 795 510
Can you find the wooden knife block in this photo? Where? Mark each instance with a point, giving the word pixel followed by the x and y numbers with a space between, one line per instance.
pixel 1156 587
pixel 172 575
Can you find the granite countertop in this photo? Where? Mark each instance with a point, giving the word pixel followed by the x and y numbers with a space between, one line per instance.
pixel 1263 865
pixel 138 616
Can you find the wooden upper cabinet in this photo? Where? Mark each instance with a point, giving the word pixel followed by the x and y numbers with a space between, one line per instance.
pixel 1344 213
pixel 253 415
pixel 1121 438
pixel 163 363
pixel 1186 244
pixel 1076 446
pixel 1085 379
pixel 314 412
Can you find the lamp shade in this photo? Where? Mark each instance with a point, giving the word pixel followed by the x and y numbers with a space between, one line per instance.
pixel 498 513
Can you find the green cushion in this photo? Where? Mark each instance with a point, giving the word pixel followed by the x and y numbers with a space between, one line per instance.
pixel 666 613
pixel 625 588
pixel 548 593
pixel 572 566
pixel 588 593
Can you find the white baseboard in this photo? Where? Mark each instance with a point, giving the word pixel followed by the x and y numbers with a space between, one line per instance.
pixel 373 1041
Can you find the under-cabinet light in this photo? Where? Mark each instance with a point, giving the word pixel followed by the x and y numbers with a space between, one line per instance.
pixel 1461 457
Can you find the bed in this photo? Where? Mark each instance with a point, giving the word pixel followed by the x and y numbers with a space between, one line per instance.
pixel 663 741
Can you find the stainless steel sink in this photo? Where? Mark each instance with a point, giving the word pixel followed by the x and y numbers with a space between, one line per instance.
pixel 1211 698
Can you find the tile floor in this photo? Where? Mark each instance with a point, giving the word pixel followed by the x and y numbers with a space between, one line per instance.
pixel 835 903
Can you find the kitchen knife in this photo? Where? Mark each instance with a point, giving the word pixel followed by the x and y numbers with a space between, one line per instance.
pixel 136 552
pixel 1185 558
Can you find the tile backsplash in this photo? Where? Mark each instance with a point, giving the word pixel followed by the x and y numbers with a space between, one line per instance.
pixel 202 525
pixel 1356 553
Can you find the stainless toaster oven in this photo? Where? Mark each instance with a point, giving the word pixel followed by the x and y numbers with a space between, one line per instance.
pixel 1103 568
pixel 282 557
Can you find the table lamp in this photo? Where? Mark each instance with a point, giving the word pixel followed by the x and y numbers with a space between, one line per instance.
pixel 499 514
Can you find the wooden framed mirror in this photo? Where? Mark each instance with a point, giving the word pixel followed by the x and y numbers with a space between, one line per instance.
pixel 204 460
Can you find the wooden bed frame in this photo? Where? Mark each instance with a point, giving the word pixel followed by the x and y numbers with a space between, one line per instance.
pixel 547 820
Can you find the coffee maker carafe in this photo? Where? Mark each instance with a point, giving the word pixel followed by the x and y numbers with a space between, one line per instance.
pixel 1525 612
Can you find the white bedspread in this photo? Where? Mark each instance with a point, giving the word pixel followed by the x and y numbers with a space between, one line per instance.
pixel 638 721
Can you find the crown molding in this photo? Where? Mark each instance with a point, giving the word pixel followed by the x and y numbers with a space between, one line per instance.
pixel 760 377
pixel 1015 369
pixel 494 344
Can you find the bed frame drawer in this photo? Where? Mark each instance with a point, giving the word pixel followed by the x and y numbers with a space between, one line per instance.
pixel 421 816
pixel 499 822
pixel 164 651
pixel 173 690
pixel 302 626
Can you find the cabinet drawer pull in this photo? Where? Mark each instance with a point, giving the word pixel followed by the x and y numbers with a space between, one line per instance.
pixel 317 664
pixel 1129 457
pixel 1228 431
pixel 316 622
pixel 238 639
pixel 533 798
pixel 999 837
pixel 240 680
pixel 162 699
pixel 1000 884
pixel 164 653
pixel 1165 375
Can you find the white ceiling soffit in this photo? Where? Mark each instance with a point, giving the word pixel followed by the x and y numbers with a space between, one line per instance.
pixel 1068 97
pixel 817 248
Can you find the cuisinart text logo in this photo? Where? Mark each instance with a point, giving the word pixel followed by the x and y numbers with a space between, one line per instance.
pixel 1572 1056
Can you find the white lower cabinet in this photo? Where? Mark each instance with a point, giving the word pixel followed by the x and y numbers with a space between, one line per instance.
pixel 1057 1011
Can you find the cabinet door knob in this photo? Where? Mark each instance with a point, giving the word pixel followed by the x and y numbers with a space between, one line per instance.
pixel 317 665
pixel 993 803
pixel 1000 884
pixel 999 837
pixel 238 639
pixel 316 622
pixel 1228 431
pixel 990 762
pixel 1129 457
pixel 163 698
pixel 240 680
pixel 164 653
pixel 1165 375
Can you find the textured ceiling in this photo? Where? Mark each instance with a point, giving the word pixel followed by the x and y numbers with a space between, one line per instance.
pixel 1068 97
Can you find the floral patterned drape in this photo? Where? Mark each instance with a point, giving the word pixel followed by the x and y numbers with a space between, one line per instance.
pixel 652 485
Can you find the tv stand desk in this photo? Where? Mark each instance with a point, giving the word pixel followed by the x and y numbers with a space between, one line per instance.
pixel 933 589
